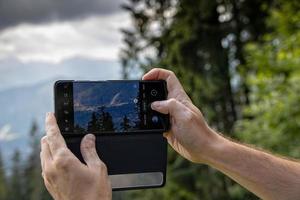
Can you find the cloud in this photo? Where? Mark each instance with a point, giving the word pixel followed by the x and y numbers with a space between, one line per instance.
pixel 14 12
pixel 6 134
pixel 96 37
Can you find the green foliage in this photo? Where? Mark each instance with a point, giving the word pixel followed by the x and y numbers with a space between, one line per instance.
pixel 34 187
pixel 3 181
pixel 272 120
pixel 238 61
pixel 15 185
pixel 24 180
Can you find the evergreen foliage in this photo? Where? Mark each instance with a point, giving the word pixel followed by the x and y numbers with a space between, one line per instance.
pixel 238 61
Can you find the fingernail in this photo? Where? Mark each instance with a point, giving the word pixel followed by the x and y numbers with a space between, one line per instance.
pixel 155 105
pixel 44 139
pixel 91 137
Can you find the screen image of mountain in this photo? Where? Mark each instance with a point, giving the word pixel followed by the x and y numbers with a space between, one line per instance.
pixel 106 106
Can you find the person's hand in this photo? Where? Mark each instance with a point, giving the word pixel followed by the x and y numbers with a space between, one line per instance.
pixel 190 135
pixel 65 177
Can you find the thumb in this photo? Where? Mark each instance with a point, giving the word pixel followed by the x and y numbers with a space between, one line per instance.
pixel 170 106
pixel 88 151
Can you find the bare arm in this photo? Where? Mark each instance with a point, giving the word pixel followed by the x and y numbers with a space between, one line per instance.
pixel 266 175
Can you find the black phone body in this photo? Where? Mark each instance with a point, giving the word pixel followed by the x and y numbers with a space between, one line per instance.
pixel 109 107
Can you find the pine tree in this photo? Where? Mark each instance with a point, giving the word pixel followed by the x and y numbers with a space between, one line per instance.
pixel 16 181
pixel 125 125
pixel 101 119
pixel 108 122
pixel 34 186
pixel 93 125
pixel 3 180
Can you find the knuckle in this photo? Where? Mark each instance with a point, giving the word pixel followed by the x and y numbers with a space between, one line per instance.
pixel 171 73
pixel 189 116
pixel 52 131
pixel 49 174
pixel 172 102
pixel 102 166
pixel 62 153
pixel 62 160
pixel 61 163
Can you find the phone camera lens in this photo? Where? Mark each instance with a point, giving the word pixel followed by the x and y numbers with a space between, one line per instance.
pixel 155 119
pixel 153 92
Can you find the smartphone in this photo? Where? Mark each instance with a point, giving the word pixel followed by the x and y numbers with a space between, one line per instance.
pixel 109 107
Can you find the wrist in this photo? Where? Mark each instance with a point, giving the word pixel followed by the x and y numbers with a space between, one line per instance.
pixel 215 146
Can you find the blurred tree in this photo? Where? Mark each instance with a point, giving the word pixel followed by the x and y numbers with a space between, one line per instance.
pixel 34 186
pixel 3 180
pixel 16 181
pixel 203 43
pixel 272 120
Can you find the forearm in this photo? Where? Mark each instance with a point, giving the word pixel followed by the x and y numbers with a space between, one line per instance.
pixel 266 175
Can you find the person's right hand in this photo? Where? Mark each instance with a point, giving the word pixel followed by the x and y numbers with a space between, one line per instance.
pixel 189 135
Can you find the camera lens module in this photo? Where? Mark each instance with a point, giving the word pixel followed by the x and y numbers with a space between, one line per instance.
pixel 155 119
pixel 153 92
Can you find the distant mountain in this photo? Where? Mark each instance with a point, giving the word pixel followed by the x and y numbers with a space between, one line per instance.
pixel 19 108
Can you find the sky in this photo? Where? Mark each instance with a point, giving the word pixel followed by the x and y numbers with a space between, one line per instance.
pixel 39 37
pixel 46 40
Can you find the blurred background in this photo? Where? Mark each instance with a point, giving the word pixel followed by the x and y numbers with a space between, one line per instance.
pixel 239 60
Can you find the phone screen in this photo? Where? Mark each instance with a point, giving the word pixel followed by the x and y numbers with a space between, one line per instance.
pixel 109 106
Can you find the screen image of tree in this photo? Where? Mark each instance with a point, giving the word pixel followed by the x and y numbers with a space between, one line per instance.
pixel 106 107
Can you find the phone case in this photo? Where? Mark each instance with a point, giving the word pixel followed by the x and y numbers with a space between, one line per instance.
pixel 129 154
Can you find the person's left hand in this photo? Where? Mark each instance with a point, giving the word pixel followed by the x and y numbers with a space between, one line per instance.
pixel 65 177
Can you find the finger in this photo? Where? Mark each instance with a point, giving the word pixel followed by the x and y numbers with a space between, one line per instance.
pixel 54 137
pixel 46 157
pixel 163 74
pixel 50 188
pixel 170 106
pixel 166 134
pixel 157 74
pixel 88 151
